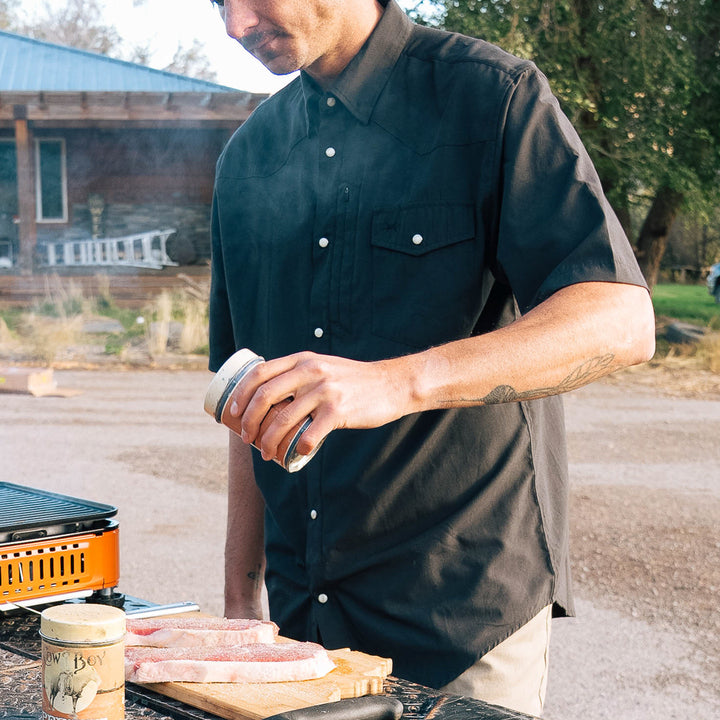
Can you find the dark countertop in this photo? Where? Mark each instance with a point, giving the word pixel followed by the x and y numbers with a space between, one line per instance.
pixel 21 690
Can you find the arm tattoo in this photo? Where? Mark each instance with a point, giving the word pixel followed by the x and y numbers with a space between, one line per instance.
pixel 582 375
pixel 255 576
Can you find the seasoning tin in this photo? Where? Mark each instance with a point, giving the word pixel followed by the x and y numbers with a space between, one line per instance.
pixel 218 395
pixel 83 669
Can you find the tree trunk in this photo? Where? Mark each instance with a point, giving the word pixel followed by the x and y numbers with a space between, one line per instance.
pixel 653 236
pixel 623 215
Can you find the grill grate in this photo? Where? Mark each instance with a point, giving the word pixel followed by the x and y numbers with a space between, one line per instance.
pixel 23 508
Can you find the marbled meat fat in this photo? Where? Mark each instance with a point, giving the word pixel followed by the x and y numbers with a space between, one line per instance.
pixel 257 663
pixel 198 631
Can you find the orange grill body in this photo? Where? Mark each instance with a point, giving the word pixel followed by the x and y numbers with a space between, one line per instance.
pixel 88 560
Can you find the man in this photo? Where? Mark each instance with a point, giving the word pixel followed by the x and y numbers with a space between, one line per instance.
pixel 414 238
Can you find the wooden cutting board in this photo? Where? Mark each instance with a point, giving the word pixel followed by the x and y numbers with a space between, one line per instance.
pixel 355 674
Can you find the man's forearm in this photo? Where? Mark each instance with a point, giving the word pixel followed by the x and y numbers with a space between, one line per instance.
pixel 582 333
pixel 244 545
pixel 578 335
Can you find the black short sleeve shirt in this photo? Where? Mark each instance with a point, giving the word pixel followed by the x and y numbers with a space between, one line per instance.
pixel 436 191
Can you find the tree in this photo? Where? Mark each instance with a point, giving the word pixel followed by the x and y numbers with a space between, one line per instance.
pixel 192 61
pixel 639 80
pixel 8 15
pixel 79 24
pixel 691 175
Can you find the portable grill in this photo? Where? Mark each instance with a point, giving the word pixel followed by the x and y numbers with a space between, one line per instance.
pixel 55 547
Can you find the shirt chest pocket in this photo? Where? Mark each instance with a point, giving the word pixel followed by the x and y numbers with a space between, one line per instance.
pixel 426 274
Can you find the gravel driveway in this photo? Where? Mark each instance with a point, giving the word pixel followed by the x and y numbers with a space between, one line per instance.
pixel 645 472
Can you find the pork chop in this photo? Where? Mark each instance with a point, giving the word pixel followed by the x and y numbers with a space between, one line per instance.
pixel 198 631
pixel 256 663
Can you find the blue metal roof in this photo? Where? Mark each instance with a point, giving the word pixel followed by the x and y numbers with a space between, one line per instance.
pixel 28 65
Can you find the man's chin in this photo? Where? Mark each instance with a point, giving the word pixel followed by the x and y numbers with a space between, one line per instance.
pixel 279 64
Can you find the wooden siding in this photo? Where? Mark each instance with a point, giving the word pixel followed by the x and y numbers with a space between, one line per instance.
pixel 128 289
pixel 142 166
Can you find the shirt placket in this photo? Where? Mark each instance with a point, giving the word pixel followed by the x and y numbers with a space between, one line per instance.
pixel 329 149
pixel 326 256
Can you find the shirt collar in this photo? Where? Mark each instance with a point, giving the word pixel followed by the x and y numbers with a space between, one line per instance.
pixel 359 85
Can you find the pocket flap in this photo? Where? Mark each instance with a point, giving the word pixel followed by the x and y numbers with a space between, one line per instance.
pixel 420 229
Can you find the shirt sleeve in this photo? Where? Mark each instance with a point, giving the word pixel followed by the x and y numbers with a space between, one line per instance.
pixel 222 343
pixel 556 227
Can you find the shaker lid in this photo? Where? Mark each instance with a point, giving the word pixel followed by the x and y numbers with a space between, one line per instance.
pixel 82 623
pixel 224 375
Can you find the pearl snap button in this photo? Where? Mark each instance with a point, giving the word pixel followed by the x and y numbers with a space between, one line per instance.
pixel 313 514
pixel 330 152
pixel 330 102
pixel 417 239
pixel 322 598
pixel 323 242
pixel 318 332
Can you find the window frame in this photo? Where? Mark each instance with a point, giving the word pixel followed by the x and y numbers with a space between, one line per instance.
pixel 9 141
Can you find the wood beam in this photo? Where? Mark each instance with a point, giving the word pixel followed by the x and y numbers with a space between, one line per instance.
pixel 27 228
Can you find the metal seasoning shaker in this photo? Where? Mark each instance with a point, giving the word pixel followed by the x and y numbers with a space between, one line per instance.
pixel 218 394
pixel 83 662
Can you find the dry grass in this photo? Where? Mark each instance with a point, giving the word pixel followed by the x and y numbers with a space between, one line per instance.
pixel 193 304
pixel 683 372
pixel 173 323
pixel 703 355
pixel 685 359
pixel 65 300
pixel 708 353
pixel 45 338
pixel 159 330
pixel 7 338
pixel 176 325
pixel 195 326
pixel 177 307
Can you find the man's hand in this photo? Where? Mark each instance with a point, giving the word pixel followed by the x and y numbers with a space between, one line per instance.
pixel 335 392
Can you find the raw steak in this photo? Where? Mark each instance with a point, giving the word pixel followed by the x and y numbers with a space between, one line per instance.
pixel 257 663
pixel 198 631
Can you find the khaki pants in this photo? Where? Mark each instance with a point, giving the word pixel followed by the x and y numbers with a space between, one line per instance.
pixel 513 674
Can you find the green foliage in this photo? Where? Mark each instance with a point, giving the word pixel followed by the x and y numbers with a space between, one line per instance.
pixel 71 306
pixel 117 344
pixel 640 80
pixel 127 317
pixel 12 317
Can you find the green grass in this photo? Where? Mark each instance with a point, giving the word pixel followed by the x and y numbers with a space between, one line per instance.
pixel 12 317
pixel 687 303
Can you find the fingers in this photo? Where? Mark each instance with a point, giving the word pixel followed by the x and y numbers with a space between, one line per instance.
pixel 276 397
pixel 262 387
pixel 315 433
pixel 272 402
pixel 274 437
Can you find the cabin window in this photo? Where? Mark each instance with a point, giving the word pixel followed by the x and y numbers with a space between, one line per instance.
pixel 8 180
pixel 51 180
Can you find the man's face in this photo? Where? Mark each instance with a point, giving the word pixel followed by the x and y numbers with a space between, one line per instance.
pixel 284 35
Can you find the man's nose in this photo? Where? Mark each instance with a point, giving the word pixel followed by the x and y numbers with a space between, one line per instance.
pixel 239 18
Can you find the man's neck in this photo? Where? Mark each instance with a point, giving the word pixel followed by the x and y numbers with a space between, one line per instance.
pixel 357 29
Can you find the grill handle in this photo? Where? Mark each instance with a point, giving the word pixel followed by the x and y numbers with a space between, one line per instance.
pixel 369 707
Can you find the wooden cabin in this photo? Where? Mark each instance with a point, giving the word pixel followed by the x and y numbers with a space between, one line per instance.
pixel 105 163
